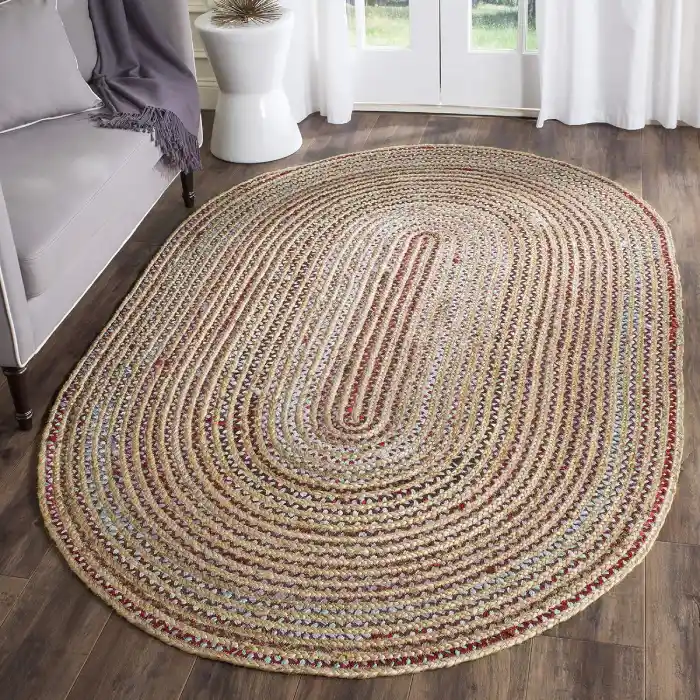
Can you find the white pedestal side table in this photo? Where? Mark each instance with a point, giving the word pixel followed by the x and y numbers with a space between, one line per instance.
pixel 253 122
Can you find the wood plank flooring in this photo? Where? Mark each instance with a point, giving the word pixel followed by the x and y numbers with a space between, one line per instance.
pixel 641 640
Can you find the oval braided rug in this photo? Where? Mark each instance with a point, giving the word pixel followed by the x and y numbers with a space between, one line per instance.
pixel 386 412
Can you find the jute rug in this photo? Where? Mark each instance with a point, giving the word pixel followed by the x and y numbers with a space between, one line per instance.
pixel 382 413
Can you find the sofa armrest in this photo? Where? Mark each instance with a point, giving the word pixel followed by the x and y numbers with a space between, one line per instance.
pixel 16 335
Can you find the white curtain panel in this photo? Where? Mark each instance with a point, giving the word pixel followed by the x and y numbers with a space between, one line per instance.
pixel 624 62
pixel 319 71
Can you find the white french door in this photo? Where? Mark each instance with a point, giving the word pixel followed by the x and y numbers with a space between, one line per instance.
pixel 475 55
pixel 489 54
pixel 397 50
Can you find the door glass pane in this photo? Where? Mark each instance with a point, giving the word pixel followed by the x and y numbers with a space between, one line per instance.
pixel 352 21
pixel 494 24
pixel 387 22
pixel 531 43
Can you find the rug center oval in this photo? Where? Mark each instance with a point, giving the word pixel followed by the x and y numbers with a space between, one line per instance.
pixel 385 412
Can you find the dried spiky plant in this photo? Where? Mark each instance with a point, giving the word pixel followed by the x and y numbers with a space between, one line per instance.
pixel 241 12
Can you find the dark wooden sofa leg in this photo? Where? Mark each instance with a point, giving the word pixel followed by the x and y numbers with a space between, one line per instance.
pixel 187 179
pixel 19 390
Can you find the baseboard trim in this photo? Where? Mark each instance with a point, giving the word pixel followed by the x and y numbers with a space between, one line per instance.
pixel 208 92
pixel 447 109
pixel 209 95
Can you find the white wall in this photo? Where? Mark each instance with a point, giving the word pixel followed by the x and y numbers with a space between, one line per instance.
pixel 208 89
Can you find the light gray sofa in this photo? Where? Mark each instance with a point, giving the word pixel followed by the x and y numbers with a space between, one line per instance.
pixel 71 194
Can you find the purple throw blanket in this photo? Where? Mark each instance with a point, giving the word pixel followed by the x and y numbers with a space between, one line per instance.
pixel 143 82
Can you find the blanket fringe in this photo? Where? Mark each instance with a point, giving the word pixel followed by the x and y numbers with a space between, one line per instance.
pixel 179 147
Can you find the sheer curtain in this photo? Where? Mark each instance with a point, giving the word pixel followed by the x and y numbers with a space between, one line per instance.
pixel 319 71
pixel 624 62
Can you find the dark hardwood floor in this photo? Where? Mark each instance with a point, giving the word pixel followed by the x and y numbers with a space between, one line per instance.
pixel 641 640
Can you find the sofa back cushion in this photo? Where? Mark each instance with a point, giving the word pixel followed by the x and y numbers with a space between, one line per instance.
pixel 76 20
pixel 39 78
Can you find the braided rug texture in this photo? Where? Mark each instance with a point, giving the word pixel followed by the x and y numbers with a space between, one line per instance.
pixel 382 413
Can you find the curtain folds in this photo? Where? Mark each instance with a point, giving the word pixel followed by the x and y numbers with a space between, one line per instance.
pixel 319 71
pixel 624 62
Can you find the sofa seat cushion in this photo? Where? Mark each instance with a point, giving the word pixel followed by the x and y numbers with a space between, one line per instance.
pixel 63 181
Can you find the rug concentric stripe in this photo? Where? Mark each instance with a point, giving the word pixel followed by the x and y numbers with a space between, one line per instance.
pixel 381 413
